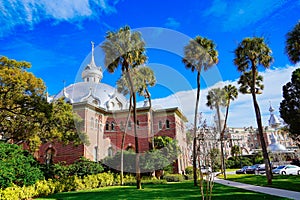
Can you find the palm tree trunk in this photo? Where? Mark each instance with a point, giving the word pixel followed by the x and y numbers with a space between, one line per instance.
pixel 195 129
pixel 137 158
pixel 123 141
pixel 151 119
pixel 221 140
pixel 260 129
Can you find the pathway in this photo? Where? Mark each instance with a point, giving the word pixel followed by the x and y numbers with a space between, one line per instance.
pixel 266 190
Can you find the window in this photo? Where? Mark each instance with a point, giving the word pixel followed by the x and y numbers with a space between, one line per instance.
pixel 107 126
pixel 112 126
pixel 129 125
pixel 167 124
pixel 92 122
pixel 138 123
pixel 122 126
pixel 96 154
pixel 110 152
pixel 49 156
pixel 159 125
pixel 96 124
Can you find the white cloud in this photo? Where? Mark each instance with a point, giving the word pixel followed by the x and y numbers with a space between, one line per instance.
pixel 172 23
pixel 31 12
pixel 241 110
pixel 238 14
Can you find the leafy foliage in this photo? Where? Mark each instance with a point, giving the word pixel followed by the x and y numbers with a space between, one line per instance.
pixel 165 153
pixel 246 82
pixel 17 166
pixel 292 47
pixel 80 168
pixel 290 105
pixel 252 52
pixel 25 114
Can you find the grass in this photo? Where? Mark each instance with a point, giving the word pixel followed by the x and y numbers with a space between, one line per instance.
pixel 288 182
pixel 183 190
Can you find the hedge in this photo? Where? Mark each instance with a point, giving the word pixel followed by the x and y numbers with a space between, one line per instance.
pixel 45 188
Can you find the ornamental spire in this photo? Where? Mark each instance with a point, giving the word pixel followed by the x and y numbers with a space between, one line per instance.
pixel 92 59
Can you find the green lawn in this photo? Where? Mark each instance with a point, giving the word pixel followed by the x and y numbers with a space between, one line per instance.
pixel 288 182
pixel 184 190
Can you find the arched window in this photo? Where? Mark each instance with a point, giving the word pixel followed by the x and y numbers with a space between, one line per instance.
pixel 159 125
pixel 92 122
pixel 96 154
pixel 107 126
pixel 129 147
pixel 112 126
pixel 167 124
pixel 110 151
pixel 96 124
pixel 49 156
pixel 129 125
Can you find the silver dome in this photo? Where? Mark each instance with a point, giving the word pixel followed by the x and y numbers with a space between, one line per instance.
pixel 99 94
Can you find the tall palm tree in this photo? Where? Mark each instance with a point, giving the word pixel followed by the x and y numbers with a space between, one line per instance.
pixel 292 47
pixel 251 53
pixel 142 77
pixel 126 49
pixel 146 78
pixel 216 99
pixel 199 54
pixel 231 94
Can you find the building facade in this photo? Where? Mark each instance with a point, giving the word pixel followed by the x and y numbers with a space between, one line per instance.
pixel 105 112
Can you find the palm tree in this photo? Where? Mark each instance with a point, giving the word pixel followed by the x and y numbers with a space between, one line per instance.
pixel 216 99
pixel 231 94
pixel 251 53
pixel 199 54
pixel 292 47
pixel 127 50
pixel 142 77
pixel 146 78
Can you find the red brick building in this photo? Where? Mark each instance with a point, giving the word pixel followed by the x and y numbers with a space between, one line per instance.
pixel 105 112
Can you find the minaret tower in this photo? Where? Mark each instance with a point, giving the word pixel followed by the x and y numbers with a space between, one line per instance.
pixel 91 72
pixel 273 121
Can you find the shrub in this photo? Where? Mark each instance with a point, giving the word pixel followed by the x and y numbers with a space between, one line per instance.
pixel 83 167
pixel 17 166
pixel 189 170
pixel 173 178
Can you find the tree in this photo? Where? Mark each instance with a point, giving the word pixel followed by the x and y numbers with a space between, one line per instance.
pixel 251 53
pixel 199 54
pixel 25 115
pixel 231 94
pixel 17 166
pixel 142 77
pixel 292 47
pixel 235 151
pixel 127 50
pixel 216 99
pixel 290 105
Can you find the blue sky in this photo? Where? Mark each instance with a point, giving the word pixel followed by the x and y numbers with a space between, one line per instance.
pixel 55 37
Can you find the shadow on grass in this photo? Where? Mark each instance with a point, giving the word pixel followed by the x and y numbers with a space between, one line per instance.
pixel 184 190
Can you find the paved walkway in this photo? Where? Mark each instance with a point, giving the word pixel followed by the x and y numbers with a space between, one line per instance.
pixel 266 190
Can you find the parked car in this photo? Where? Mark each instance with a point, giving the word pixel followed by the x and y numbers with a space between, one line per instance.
pixel 242 170
pixel 256 169
pixel 287 169
pixel 205 169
